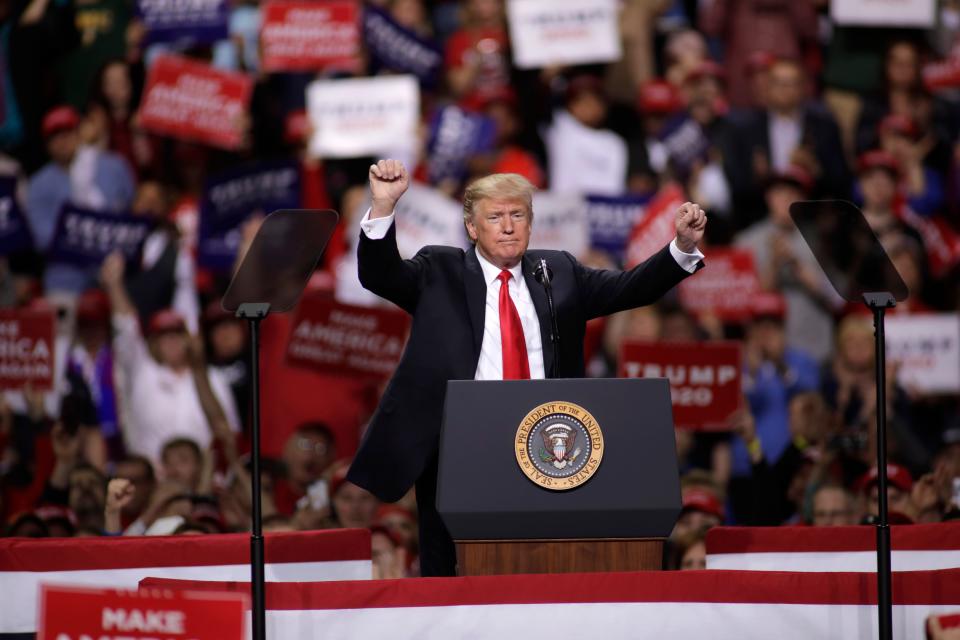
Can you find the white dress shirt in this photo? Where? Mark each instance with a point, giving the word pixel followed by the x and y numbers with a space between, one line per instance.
pixel 785 133
pixel 490 365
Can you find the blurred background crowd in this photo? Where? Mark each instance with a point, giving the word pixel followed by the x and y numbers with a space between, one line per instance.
pixel 146 429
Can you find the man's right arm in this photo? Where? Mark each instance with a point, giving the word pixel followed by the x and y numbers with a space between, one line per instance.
pixel 381 269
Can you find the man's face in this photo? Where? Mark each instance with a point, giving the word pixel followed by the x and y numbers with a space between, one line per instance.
pixel 694 520
pixel 143 485
pixel 172 348
pixel 785 88
pixel 779 198
pixel 87 493
pixel 878 189
pixel 307 455
pixel 769 336
pixel 180 465
pixel 832 507
pixel 501 229
pixel 62 146
pixel 898 501
pixel 355 507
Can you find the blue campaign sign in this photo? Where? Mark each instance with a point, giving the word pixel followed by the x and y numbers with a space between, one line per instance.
pixel 14 231
pixel 231 198
pixel 184 21
pixel 84 237
pixel 611 220
pixel 455 135
pixel 685 141
pixel 393 46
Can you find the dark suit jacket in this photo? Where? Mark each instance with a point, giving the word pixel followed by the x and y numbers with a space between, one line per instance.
pixel 820 133
pixel 444 290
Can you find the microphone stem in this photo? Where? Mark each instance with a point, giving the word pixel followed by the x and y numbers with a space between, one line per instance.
pixel 554 332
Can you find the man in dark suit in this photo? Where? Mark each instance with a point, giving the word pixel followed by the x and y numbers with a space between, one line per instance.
pixel 480 314
pixel 789 131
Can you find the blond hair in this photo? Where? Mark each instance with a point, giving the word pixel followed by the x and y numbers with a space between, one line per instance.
pixel 498 186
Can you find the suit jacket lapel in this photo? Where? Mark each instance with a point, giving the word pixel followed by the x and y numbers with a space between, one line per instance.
pixel 539 297
pixel 476 292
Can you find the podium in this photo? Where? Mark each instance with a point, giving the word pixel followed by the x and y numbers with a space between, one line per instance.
pixel 555 476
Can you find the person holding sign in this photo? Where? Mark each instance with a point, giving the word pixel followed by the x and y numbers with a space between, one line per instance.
pixel 480 314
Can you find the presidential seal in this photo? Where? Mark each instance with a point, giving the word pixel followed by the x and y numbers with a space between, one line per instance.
pixel 559 445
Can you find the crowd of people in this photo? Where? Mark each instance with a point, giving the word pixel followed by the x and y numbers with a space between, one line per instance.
pixel 747 106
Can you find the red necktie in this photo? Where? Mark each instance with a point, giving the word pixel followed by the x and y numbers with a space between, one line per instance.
pixel 515 365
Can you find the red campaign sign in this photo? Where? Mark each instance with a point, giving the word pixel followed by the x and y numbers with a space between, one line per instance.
pixel 337 338
pixel 74 613
pixel 310 35
pixel 193 101
pixel 704 378
pixel 944 74
pixel 26 348
pixel 658 227
pixel 726 287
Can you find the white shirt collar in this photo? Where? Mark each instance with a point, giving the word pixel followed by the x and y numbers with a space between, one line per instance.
pixel 491 272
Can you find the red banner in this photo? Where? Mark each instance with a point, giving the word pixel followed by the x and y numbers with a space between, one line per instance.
pixel 310 35
pixel 193 101
pixel 944 74
pixel 656 229
pixel 74 613
pixel 344 339
pixel 725 287
pixel 704 378
pixel 26 348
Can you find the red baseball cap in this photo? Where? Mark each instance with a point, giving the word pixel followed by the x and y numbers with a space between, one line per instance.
pixel 897 475
pixel 795 175
pixel 760 61
pixel 700 499
pixel 878 159
pixel 706 69
pixel 899 124
pixel 61 118
pixel 768 304
pixel 166 321
pixel 394 509
pixel 93 307
pixel 659 97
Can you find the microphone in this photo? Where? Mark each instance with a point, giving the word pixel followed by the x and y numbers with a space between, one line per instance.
pixel 544 276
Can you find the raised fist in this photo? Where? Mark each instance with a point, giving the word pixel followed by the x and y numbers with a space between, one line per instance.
pixel 388 181
pixel 691 222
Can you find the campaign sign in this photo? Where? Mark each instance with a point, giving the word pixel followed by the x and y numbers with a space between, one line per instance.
pixel 85 238
pixel 926 350
pixel 26 348
pixel 887 13
pixel 704 378
pixel 14 231
pixel 455 136
pixel 184 21
pixel 560 222
pixel 685 143
pixel 191 100
pixel 302 35
pixel 726 288
pixel 563 32
pixel 942 74
pixel 341 339
pixel 78 613
pixel 356 117
pixel 231 198
pixel 612 219
pixel 657 227
pixel 393 46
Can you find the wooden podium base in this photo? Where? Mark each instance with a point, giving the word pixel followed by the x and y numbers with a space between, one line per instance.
pixel 498 557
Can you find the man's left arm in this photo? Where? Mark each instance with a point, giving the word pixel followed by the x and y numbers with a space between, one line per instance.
pixel 605 291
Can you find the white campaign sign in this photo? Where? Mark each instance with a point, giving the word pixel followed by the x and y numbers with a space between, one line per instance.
pixel 554 32
pixel 893 13
pixel 926 348
pixel 363 116
pixel 560 222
